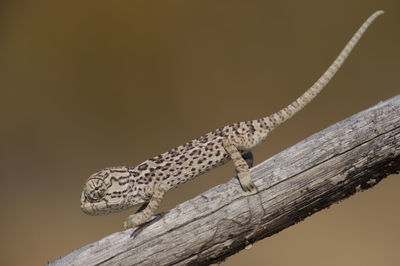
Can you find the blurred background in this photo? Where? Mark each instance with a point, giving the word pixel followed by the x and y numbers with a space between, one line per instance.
pixel 90 84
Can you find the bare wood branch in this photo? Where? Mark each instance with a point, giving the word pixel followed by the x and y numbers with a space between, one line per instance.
pixel 331 165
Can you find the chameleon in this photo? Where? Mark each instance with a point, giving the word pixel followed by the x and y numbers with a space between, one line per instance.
pixel 115 189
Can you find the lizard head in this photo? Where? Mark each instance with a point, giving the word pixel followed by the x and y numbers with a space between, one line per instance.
pixel 109 191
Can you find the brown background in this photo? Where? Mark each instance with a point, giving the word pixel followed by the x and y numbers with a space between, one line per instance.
pixel 90 84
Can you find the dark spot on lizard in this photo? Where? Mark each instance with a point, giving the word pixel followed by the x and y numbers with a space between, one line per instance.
pixel 143 167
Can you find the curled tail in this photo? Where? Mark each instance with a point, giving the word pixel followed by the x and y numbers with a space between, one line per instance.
pixel 270 122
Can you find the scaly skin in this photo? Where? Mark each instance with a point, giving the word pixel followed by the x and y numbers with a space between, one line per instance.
pixel 118 188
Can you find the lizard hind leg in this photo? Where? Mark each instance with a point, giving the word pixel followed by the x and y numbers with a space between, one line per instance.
pixel 241 165
pixel 147 209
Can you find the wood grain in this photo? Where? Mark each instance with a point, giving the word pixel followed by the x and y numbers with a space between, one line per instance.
pixel 331 165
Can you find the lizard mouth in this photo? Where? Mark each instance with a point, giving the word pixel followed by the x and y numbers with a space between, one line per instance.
pixel 102 207
pixel 92 208
pixel 97 208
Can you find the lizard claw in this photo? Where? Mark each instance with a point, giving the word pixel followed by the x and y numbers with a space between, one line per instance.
pixel 248 187
pixel 246 182
pixel 126 225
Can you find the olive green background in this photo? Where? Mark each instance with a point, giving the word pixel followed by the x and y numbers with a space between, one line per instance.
pixel 90 84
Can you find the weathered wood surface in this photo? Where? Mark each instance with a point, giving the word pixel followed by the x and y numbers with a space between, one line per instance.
pixel 333 164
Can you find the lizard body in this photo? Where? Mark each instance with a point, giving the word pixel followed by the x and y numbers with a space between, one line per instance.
pixel 117 188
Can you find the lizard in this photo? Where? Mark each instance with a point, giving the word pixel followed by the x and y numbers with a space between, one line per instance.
pixel 115 189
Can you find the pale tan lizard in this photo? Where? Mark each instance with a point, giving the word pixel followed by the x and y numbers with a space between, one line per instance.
pixel 118 188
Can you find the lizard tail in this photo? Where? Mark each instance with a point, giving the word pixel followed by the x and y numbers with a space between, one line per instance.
pixel 274 120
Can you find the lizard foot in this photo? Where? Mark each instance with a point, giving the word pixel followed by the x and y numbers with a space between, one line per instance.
pixel 134 220
pixel 245 181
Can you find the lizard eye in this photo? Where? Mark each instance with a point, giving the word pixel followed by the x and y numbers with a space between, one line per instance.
pixel 95 190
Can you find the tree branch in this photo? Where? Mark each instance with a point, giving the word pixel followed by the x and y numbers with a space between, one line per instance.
pixel 331 165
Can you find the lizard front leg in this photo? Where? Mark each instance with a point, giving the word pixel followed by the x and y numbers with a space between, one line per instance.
pixel 147 210
pixel 241 166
